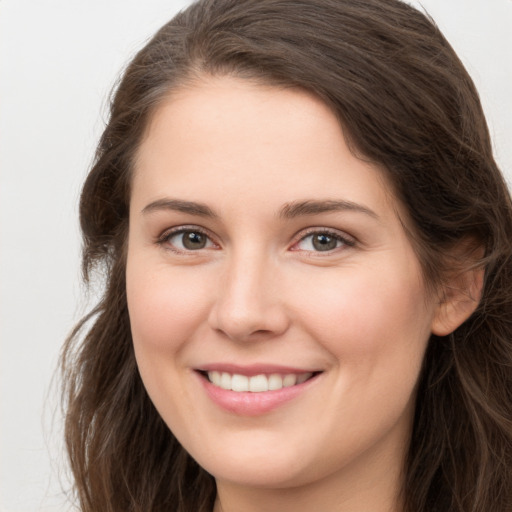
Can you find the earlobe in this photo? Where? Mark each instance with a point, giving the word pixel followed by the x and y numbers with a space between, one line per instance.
pixel 458 301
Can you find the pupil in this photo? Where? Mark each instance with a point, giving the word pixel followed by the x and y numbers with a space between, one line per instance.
pixel 324 242
pixel 194 240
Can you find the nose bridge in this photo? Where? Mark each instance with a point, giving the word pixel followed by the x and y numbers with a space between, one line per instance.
pixel 247 305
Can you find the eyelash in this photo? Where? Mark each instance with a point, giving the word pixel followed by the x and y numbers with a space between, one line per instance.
pixel 345 241
pixel 163 240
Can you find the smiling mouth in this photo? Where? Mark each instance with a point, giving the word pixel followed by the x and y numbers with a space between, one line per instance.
pixel 257 383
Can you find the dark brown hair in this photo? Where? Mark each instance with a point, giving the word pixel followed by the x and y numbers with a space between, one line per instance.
pixel 406 103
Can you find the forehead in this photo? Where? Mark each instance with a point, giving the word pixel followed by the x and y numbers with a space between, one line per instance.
pixel 226 135
pixel 241 111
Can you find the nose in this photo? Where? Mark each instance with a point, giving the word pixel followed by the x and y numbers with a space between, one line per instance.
pixel 249 304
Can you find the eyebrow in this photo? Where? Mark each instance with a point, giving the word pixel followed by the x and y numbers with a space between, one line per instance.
pixel 288 211
pixel 311 207
pixel 179 205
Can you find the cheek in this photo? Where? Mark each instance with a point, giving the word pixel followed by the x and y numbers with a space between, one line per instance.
pixel 167 309
pixel 166 306
pixel 369 317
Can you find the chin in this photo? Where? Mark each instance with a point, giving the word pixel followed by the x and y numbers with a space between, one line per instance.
pixel 264 474
pixel 263 465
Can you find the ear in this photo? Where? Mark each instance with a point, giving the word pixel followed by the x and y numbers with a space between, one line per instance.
pixel 460 294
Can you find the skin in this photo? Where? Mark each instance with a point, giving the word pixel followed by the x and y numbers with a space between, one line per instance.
pixel 260 292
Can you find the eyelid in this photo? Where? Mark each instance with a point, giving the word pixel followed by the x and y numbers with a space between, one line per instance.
pixel 164 237
pixel 346 239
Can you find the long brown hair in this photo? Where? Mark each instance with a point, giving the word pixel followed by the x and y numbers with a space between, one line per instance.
pixel 406 103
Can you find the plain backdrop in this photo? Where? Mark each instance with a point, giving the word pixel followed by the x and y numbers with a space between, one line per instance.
pixel 58 61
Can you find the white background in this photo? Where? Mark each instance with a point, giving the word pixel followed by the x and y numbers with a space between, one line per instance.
pixel 58 61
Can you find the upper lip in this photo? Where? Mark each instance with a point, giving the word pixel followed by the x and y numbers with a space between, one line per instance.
pixel 254 369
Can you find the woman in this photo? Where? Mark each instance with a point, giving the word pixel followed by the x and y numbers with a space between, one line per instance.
pixel 307 254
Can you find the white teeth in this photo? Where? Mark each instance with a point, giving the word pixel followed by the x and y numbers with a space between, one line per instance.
pixel 289 380
pixel 215 377
pixel 257 383
pixel 239 383
pixel 275 381
pixel 225 381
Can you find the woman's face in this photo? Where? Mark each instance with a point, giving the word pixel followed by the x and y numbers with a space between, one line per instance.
pixel 265 257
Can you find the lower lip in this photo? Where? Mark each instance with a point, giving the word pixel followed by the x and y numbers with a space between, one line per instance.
pixel 253 404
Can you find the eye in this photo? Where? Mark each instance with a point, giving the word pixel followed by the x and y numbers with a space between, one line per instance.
pixel 322 241
pixel 183 240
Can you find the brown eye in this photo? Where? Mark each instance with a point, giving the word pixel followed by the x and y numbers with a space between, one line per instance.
pixel 193 240
pixel 324 242
pixel 188 240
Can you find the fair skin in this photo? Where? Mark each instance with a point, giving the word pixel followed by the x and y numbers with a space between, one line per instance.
pixel 260 245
